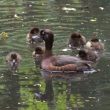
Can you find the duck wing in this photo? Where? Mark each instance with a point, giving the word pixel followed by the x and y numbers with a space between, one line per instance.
pixel 67 59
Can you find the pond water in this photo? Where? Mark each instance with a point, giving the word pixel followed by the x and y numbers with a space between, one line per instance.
pixel 81 92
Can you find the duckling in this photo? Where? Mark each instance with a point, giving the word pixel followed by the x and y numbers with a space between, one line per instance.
pixel 88 55
pixel 38 55
pixel 76 41
pixel 33 37
pixel 60 62
pixel 13 60
pixel 95 45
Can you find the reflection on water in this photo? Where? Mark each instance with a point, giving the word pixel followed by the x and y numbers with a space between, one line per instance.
pixel 10 94
pixel 59 92
pixel 48 95
pixel 17 91
pixel 54 101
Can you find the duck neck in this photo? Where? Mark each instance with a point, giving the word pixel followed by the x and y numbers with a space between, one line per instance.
pixel 48 50
pixel 48 53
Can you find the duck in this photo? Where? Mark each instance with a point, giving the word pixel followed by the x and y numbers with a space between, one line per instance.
pixel 37 55
pixel 96 45
pixel 76 41
pixel 88 55
pixel 33 38
pixel 51 62
pixel 13 60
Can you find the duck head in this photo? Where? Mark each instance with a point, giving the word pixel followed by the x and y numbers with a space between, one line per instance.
pixel 13 56
pixel 76 40
pixel 75 35
pixel 82 54
pixel 48 37
pixel 38 50
pixel 94 40
pixel 34 31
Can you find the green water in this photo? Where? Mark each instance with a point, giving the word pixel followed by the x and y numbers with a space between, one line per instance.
pixel 82 92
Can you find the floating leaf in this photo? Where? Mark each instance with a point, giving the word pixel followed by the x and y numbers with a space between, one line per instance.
pixel 4 36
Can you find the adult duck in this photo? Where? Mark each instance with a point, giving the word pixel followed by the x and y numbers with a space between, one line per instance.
pixel 13 60
pixel 76 41
pixel 52 62
pixel 33 38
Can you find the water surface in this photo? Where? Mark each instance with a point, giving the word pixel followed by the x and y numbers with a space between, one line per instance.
pixel 82 92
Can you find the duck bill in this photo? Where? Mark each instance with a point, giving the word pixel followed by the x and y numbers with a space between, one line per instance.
pixel 13 65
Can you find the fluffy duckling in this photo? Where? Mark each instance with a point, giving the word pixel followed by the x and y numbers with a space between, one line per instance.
pixel 38 55
pixel 13 60
pixel 95 45
pixel 33 36
pixel 60 62
pixel 76 41
pixel 88 55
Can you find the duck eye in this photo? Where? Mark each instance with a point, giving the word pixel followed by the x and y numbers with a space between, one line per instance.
pixel 42 32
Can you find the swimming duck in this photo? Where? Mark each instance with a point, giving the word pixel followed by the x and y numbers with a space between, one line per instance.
pixel 33 37
pixel 60 62
pixel 13 60
pixel 88 55
pixel 95 45
pixel 37 54
pixel 76 41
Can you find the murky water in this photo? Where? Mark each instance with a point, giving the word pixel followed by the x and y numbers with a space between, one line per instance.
pixel 82 92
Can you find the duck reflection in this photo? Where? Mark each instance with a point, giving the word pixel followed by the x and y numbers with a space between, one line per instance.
pixel 48 94
pixel 51 93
